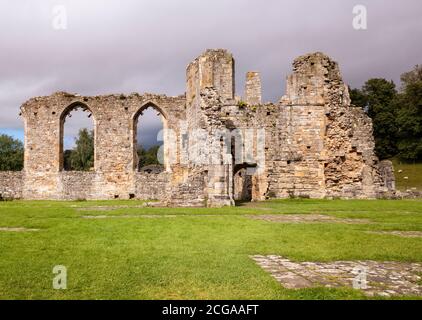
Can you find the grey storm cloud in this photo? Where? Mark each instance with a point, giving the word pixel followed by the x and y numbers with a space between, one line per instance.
pixel 113 46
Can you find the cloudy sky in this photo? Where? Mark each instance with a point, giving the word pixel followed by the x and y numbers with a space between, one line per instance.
pixel 113 46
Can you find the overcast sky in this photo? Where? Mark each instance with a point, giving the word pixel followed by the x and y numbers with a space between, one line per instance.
pixel 113 46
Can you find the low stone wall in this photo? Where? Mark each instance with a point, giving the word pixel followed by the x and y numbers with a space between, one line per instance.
pixel 11 184
pixel 76 185
pixel 82 185
pixel 409 194
pixel 151 186
pixel 189 193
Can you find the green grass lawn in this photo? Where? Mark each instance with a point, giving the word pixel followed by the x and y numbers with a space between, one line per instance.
pixel 195 254
pixel 413 172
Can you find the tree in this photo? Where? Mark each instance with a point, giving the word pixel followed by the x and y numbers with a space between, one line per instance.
pixel 397 116
pixel 81 158
pixel 411 77
pixel 358 98
pixel 379 97
pixel 148 157
pixel 11 154
pixel 67 165
pixel 409 116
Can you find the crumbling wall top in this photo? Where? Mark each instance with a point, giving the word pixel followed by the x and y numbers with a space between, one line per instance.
pixel 64 98
pixel 316 80
pixel 212 69
pixel 213 54
pixel 304 63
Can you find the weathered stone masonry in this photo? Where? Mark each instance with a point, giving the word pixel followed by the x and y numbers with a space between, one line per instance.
pixel 314 143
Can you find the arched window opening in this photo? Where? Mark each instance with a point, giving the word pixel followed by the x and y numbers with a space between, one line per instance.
pixel 77 139
pixel 149 140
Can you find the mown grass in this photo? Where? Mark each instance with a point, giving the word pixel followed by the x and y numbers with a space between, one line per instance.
pixel 193 253
pixel 413 173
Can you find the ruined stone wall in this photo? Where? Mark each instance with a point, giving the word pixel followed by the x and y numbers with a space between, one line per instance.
pixel 350 164
pixel 152 186
pixel 311 143
pixel 330 142
pixel 74 185
pixel 291 164
pixel 192 191
pixel 114 119
pixel 253 89
pixel 212 69
pixel 386 170
pixel 242 185
pixel 210 84
pixel 11 184
pixel 316 144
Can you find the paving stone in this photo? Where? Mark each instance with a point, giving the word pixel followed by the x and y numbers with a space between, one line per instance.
pixel 144 216
pixel 379 278
pixel 19 229
pixel 307 218
pixel 404 234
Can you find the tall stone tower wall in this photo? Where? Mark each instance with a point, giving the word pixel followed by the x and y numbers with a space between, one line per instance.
pixel 333 140
pixel 210 85
pixel 212 69
pixel 253 89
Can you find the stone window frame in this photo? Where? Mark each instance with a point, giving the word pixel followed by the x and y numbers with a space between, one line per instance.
pixel 135 122
pixel 71 107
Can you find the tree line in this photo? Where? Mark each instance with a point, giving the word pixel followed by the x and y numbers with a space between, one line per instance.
pixel 396 115
pixel 11 153
pixel 79 158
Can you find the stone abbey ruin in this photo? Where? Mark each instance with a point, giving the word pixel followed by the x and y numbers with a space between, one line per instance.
pixel 218 148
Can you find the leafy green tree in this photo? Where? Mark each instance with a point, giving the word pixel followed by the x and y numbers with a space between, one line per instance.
pixel 148 157
pixel 411 77
pixel 379 97
pixel 67 160
pixel 409 116
pixel 81 158
pixel 358 98
pixel 11 153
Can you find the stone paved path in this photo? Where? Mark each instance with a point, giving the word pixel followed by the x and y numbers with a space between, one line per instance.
pixel 146 216
pixel 19 229
pixel 111 208
pixel 157 216
pixel 307 218
pixel 404 234
pixel 372 277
